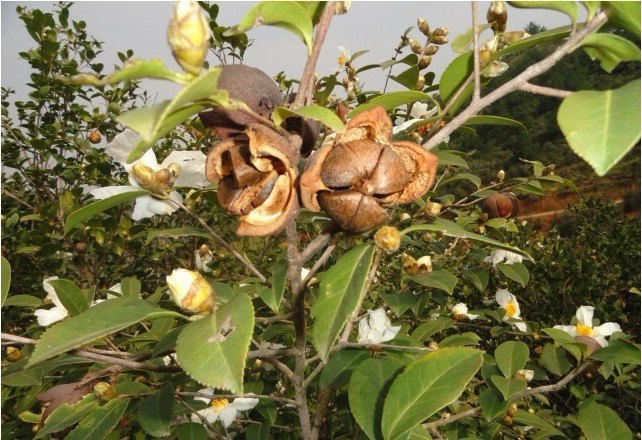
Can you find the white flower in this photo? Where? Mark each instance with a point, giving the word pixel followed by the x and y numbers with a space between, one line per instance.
pixel 460 311
pixel 501 255
pixel 344 56
pixel 524 374
pixel 418 112
pixel 375 328
pixel 189 166
pixel 222 409
pixel 584 326
pixel 508 302
pixel 57 313
pixel 202 257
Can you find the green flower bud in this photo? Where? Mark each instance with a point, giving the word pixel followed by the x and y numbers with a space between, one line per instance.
pixel 104 391
pixel 188 35
pixel 190 291
pixel 388 239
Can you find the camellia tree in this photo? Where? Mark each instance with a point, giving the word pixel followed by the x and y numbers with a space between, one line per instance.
pixel 353 296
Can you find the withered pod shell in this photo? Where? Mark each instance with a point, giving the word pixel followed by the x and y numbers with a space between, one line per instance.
pixel 501 205
pixel 352 210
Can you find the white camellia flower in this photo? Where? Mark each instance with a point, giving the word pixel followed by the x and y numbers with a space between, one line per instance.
pixel 418 111
pixel 503 256
pixel 222 409
pixel 344 56
pixel 460 311
pixel 188 171
pixel 508 302
pixel 584 326
pixel 376 328
pixel 57 313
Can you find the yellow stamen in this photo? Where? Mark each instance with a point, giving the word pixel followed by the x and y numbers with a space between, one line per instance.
pixel 341 59
pixel 219 404
pixel 511 308
pixel 584 330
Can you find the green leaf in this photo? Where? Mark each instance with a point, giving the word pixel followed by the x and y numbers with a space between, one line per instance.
pixel 495 120
pixel 492 404
pixel 624 14
pixel 462 176
pixel 429 328
pixel 599 422
pixel 190 431
pixel 428 384
pixel 568 8
pixel 398 302
pixel 454 77
pixel 175 232
pixel 341 365
pixel 610 49
pixel 466 338
pixel 100 422
pixel 66 415
pixel 273 295
pixel 452 229
pixel 130 286
pixel 260 431
pixel 439 279
pixel 70 296
pixel 516 272
pixel 464 41
pixel 368 388
pixel 155 412
pixel 6 279
pixel 95 208
pixel 316 112
pixel 602 126
pixel 287 15
pixel 528 419
pixel 212 350
pixel 448 158
pixel 508 387
pixel 134 69
pixel 511 356
pixel 554 359
pixel 478 277
pixel 390 101
pixel 408 78
pixel 96 322
pixel 619 351
pixel 339 291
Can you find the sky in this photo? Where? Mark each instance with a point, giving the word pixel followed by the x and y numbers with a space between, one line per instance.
pixel 373 25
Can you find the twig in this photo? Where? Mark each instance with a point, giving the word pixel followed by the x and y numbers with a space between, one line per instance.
pixel 319 242
pixel 320 262
pixel 307 79
pixel 344 344
pixel 521 79
pixel 477 88
pixel 322 409
pixel 313 374
pixel 267 352
pixel 271 319
pixel 14 197
pixel 546 91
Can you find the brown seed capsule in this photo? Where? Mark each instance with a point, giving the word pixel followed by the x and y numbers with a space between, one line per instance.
pixel 501 205
pixel 359 171
pixel 94 137
pixel 80 247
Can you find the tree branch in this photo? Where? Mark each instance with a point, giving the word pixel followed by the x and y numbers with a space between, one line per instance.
pixel 477 88
pixel 546 91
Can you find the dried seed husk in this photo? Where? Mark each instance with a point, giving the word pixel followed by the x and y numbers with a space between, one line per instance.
pixel 350 163
pixel 352 210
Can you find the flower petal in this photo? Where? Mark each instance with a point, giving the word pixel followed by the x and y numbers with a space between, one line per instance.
pixel 192 165
pixel 606 329
pixel 522 327
pixel 584 315
pixel 149 159
pixel 108 191
pixel 122 145
pixel 600 340
pixel 503 296
pixel 48 317
pixel 244 403
pixel 227 415
pixel 205 391
pixel 570 329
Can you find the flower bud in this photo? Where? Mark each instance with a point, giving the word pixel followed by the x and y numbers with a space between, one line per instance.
pixel 415 46
pixel 388 239
pixel 439 40
pixel 423 26
pixel 497 16
pixel 508 420
pixel 188 35
pixel 190 291
pixel 431 50
pixel 144 175
pixel 459 311
pixel 512 409
pixel 508 38
pixel 424 61
pixel 341 8
pixel 424 264
pixel 409 264
pixel 104 391
pixel 501 175
pixel 421 82
pixel 523 374
pixel 14 354
pixel 432 209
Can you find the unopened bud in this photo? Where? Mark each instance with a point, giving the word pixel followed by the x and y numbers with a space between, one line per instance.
pixel 144 175
pixel 441 32
pixel 341 7
pixel 431 50
pixel 432 209
pixel 188 35
pixel 421 82
pixel 512 409
pixel 459 311
pixel 439 40
pixel 432 345
pixel 497 16
pixel 388 239
pixel 508 420
pixel 409 264
pixel 523 374
pixel 424 61
pixel 501 175
pixel 424 264
pixel 104 391
pixel 190 291
pixel 423 26
pixel 508 38
pixel 415 46
pixel 14 354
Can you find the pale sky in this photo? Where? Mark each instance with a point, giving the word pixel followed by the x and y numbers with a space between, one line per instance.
pixel 373 25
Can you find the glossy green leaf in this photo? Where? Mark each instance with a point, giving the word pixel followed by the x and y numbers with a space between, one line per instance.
pixel 511 356
pixel 568 8
pixel 492 404
pixel 273 295
pixel 130 286
pixel 454 77
pixel 96 322
pixel 619 351
pixel 368 387
pixel 495 120
pixel 449 158
pixel 339 291
pixel 466 338
pixel 408 78
pixel 610 49
pixel 508 387
pixel 212 350
pixel 602 126
pixel 528 419
pixel 478 277
pixel 452 229
pixel 426 385
pixel 554 359
pixel 134 69
pixel 464 41
pixel 516 272
pixel 287 15
pixel 152 234
pixel 429 328
pixel 599 422
pixel 438 279
pixel 155 412
pixel 6 279
pixel 624 14
pixel 23 301
pixel 418 432
pixel 66 415
pixel 100 422
pixel 257 431
pixel 390 101
pixel 340 366
pixel 190 431
pixel 398 302
pixel 316 112
pixel 70 296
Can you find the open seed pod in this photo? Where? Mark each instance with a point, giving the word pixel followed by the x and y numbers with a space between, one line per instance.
pixel 358 172
pixel 501 205
pixel 256 173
